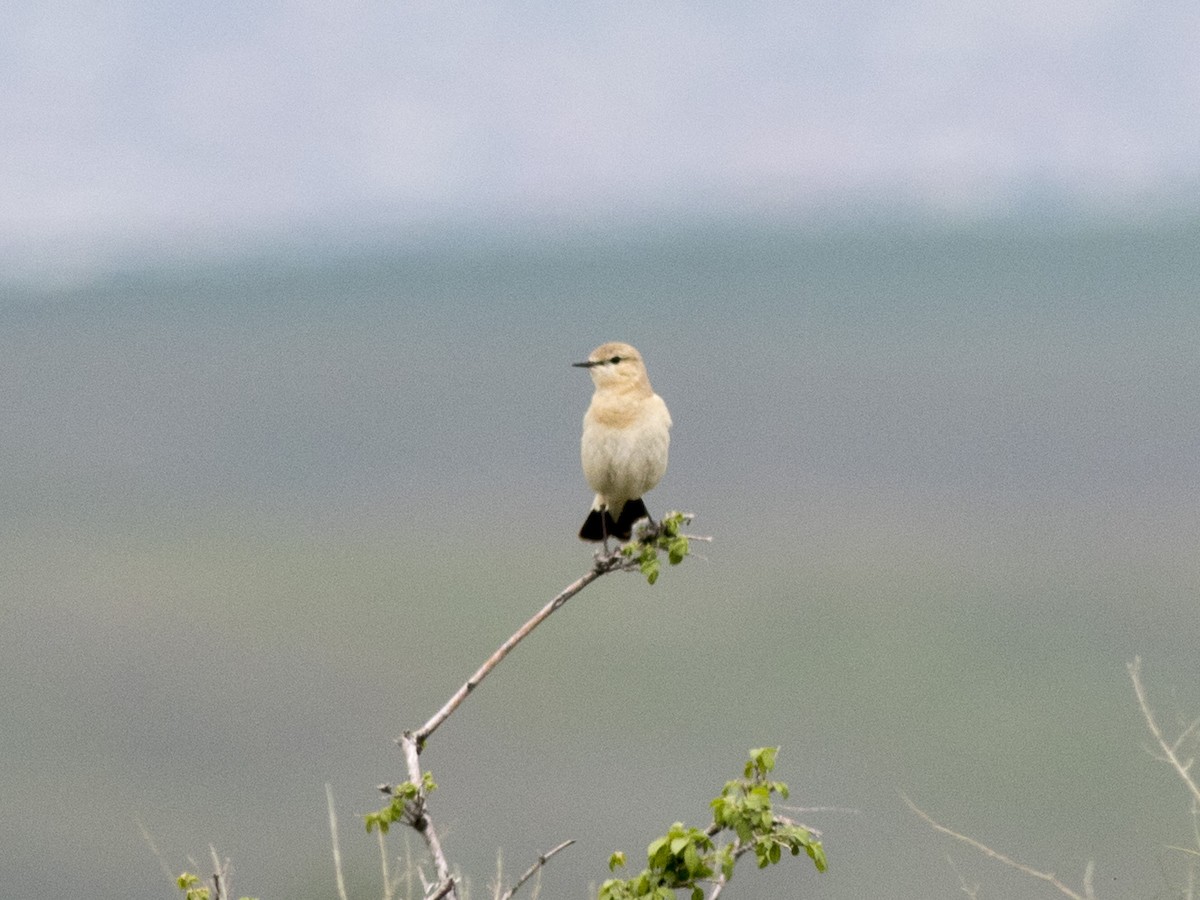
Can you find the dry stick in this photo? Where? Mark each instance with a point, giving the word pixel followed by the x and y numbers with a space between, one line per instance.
pixel 149 839
pixel 388 891
pixel 603 564
pixel 413 742
pixel 422 823
pixel 337 850
pixel 541 861
pixel 220 877
pixel 1169 754
pixel 1048 877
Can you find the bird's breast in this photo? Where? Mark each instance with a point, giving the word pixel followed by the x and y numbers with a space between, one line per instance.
pixel 624 450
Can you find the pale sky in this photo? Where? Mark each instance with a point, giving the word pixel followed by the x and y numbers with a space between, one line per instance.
pixel 132 128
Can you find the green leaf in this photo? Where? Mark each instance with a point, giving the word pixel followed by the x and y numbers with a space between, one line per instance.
pixel 816 853
pixel 654 851
pixel 616 861
pixel 649 568
pixel 763 759
pixel 677 549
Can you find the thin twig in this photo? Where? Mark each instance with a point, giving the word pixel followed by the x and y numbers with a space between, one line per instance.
pixel 220 878
pixel 162 862
pixel 422 734
pixel 604 562
pixel 541 861
pixel 971 890
pixel 1185 734
pixel 388 890
pixel 410 867
pixel 850 810
pixel 1169 755
pixel 412 743
pixel 423 824
pixel 738 850
pixel 333 834
pixel 495 886
pixel 1047 877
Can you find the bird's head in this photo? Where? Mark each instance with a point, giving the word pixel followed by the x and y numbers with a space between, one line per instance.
pixel 614 365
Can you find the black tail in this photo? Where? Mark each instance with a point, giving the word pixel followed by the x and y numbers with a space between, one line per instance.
pixel 599 524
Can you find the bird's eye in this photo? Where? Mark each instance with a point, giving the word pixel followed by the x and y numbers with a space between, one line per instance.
pixel 615 360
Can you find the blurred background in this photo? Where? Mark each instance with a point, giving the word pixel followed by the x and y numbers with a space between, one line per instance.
pixel 289 436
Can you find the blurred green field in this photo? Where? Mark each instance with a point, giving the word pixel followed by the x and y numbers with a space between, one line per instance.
pixel 259 520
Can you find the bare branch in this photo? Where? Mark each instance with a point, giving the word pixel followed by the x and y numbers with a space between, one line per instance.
pixel 412 743
pixel 1185 734
pixel 603 564
pixel 220 877
pixel 1047 877
pixel 1169 752
pixel 421 822
pixel 162 862
pixel 738 850
pixel 1195 834
pixel 541 861
pixel 971 890
pixel 388 888
pixel 337 850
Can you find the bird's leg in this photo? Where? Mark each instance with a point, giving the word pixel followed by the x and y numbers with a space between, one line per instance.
pixel 653 529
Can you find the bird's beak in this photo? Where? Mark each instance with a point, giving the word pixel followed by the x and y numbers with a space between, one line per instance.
pixel 585 365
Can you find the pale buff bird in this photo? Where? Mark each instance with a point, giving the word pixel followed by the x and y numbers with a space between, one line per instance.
pixel 626 432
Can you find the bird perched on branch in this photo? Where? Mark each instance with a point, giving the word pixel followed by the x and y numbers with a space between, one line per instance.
pixel 626 431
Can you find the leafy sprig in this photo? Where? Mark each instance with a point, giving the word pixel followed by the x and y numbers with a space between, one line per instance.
pixel 652 539
pixel 686 858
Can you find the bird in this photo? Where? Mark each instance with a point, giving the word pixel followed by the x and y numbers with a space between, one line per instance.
pixel 626 433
